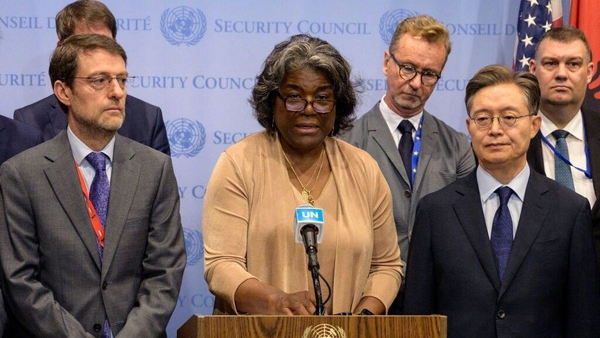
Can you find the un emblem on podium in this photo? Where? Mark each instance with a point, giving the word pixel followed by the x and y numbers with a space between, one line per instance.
pixel 324 331
pixel 183 25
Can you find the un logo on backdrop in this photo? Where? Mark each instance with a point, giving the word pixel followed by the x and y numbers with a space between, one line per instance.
pixel 183 25
pixel 186 137
pixel 194 246
pixel 390 20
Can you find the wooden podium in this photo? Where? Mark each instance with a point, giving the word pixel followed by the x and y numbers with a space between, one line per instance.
pixel 434 326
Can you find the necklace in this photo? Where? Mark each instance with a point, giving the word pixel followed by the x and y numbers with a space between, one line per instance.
pixel 306 193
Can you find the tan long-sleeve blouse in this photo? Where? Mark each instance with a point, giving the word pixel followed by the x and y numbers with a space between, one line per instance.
pixel 248 227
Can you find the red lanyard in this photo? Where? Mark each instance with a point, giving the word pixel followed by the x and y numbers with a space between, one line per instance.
pixel 98 229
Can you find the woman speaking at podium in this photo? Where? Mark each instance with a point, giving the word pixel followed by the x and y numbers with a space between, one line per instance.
pixel 303 98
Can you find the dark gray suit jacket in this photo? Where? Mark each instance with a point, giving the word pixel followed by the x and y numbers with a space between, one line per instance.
pixel 143 121
pixel 57 286
pixel 550 286
pixel 445 156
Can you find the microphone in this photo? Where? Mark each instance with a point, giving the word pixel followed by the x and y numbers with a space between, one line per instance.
pixel 308 229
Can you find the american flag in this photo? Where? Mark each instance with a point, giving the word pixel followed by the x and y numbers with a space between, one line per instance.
pixel 536 17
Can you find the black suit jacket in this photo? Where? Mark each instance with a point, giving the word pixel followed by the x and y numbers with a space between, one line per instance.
pixel 550 286
pixel 143 121
pixel 16 137
pixel 591 120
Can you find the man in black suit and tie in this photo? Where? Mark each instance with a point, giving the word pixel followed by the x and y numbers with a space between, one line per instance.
pixel 143 122
pixel 91 243
pixel 505 251
pixel 567 147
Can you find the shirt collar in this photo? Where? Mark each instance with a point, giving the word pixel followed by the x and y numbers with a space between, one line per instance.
pixel 488 184
pixel 393 120
pixel 81 150
pixel 574 127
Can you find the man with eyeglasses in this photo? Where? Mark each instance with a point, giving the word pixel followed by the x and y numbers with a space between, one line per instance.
pixel 567 148
pixel 505 251
pixel 417 153
pixel 143 121
pixel 91 242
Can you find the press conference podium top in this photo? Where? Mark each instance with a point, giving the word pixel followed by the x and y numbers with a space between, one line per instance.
pixel 434 326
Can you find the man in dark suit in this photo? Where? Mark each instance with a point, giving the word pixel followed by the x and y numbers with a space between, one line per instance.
pixel 563 66
pixel 143 122
pixel 436 154
pixel 91 243
pixel 14 138
pixel 504 252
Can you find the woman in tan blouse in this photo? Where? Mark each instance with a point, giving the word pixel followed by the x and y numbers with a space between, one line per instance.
pixel 303 97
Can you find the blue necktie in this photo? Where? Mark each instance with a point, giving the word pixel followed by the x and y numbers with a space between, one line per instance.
pixel 405 147
pixel 502 231
pixel 99 194
pixel 562 170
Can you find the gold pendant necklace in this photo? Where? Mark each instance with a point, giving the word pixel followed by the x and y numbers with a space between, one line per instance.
pixel 306 193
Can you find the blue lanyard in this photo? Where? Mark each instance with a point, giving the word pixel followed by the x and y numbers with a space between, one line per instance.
pixel 416 150
pixel 587 171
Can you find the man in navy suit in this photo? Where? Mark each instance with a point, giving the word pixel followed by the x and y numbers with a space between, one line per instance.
pixel 505 251
pixel 16 137
pixel 564 68
pixel 143 121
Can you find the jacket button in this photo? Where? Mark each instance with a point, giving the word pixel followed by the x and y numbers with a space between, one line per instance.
pixel 407 193
pixel 104 285
pixel 97 327
pixel 501 314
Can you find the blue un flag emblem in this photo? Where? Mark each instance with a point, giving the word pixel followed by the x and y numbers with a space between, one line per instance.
pixel 183 25
pixel 186 137
pixel 194 246
pixel 390 20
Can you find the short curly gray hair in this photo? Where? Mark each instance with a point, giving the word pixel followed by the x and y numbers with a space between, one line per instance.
pixel 305 52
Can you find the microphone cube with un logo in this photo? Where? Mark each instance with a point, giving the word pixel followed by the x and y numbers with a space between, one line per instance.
pixel 308 215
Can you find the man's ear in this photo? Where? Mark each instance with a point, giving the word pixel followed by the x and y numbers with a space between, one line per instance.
pixel 63 92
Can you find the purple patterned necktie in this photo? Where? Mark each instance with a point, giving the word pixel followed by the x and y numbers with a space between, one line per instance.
pixel 502 231
pixel 99 194
pixel 100 188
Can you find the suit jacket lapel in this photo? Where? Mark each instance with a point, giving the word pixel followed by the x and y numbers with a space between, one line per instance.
pixel 591 121
pixel 378 128
pixel 533 214
pixel 125 176
pixel 535 158
pixel 62 176
pixel 472 221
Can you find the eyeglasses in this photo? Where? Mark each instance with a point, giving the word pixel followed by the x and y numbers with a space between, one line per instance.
pixel 100 82
pixel 408 72
pixel 485 120
pixel 298 104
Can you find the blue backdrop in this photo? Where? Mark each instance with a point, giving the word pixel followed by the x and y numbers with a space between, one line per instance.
pixel 197 60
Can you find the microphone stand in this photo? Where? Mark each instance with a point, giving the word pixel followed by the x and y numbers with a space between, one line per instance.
pixel 314 271
pixel 310 243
